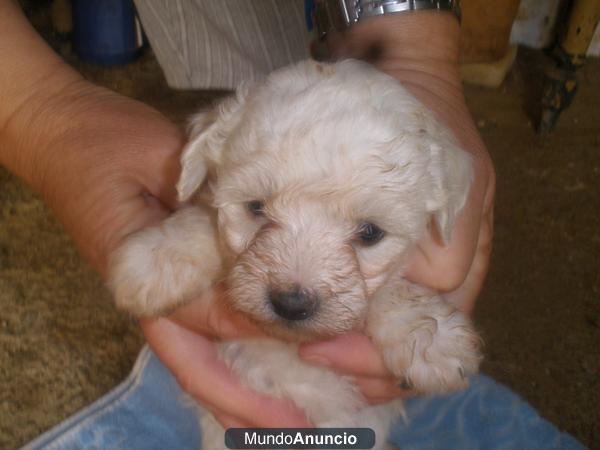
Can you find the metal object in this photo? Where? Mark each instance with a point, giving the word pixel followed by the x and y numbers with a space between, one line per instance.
pixel 341 14
pixel 355 10
pixel 567 56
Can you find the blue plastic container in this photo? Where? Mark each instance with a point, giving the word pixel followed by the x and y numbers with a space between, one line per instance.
pixel 106 31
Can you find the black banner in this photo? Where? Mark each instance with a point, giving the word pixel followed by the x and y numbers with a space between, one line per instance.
pixel 299 438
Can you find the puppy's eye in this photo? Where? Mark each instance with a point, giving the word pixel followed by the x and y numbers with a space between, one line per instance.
pixel 370 234
pixel 256 208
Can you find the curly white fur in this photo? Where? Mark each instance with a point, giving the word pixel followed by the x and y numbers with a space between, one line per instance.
pixel 324 149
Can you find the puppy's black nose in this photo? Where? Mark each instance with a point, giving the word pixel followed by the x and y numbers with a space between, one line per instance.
pixel 294 304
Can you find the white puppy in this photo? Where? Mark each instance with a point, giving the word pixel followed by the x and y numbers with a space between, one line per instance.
pixel 318 179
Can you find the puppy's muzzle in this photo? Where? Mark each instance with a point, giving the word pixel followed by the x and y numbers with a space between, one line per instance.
pixel 296 303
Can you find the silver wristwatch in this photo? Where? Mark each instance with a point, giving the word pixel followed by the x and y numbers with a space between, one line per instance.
pixel 340 14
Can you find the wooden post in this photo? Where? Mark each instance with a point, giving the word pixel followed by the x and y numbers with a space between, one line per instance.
pixel 485 29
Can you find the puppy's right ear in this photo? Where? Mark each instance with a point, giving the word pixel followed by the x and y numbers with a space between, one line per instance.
pixel 196 154
pixel 208 133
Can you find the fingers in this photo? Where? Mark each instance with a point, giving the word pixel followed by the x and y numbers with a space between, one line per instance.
pixel 352 353
pixel 380 390
pixel 228 421
pixel 211 316
pixel 444 267
pixel 195 363
pixel 465 296
pixel 355 355
pixel 459 269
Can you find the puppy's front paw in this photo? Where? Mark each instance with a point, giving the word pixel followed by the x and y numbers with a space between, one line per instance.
pixel 147 279
pixel 437 355
pixel 428 345
pixel 162 267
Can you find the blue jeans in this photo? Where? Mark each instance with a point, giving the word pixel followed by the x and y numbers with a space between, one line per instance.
pixel 143 414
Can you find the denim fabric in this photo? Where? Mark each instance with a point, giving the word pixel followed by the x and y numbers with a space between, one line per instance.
pixel 143 414
pixel 487 416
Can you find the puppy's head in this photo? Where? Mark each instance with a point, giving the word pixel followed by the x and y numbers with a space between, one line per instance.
pixel 322 175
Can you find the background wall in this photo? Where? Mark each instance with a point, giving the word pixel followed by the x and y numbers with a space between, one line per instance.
pixel 535 23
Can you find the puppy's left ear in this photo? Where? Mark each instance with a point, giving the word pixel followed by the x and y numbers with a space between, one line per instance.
pixel 208 133
pixel 451 169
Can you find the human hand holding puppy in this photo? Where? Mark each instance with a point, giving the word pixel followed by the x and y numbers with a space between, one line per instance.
pixel 129 191
pixel 421 51
pixel 107 166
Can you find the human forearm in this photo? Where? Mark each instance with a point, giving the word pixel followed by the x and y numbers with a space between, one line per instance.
pixel 95 156
pixel 30 77
pixel 107 166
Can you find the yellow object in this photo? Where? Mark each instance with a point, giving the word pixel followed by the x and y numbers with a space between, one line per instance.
pixel 489 74
pixel 583 21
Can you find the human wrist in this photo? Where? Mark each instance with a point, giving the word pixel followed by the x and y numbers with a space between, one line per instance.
pixel 418 48
pixel 33 123
pixel 429 35
pixel 90 152
pixel 424 41
pixel 29 84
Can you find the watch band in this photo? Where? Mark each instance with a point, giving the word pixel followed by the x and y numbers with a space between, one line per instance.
pixel 340 14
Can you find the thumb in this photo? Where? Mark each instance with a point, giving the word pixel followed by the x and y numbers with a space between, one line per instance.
pixel 350 353
pixel 211 315
pixel 195 363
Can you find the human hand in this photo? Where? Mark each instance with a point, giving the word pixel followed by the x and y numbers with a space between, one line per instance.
pixel 117 178
pixel 107 166
pixel 134 165
pixel 421 51
pixel 182 341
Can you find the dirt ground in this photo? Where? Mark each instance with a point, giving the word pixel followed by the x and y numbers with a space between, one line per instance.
pixel 62 344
